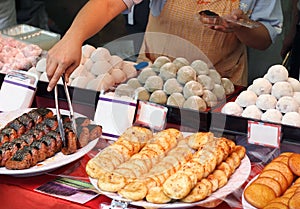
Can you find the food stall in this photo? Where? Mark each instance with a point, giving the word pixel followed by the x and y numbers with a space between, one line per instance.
pixel 197 156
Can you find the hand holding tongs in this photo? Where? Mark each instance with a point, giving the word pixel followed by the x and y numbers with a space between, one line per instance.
pixel 59 118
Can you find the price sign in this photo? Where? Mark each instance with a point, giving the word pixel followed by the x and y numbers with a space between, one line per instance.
pixel 151 115
pixel 264 134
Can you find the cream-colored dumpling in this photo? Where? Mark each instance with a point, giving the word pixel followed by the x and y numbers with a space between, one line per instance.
pixel 125 90
pixel 200 67
pixel 246 98
pixel 172 86
pixel 145 74
pixel 116 61
pixel 272 115
pixel 176 99
pixel 294 83
pixel 282 88
pixel 98 84
pixel 41 65
pixel 108 79
pixel 266 101
pixel 159 97
pixel 80 82
pixel 158 62
pixel 195 103
pixel 90 75
pixel 206 82
pixel 142 94
pixel 186 74
pixel 228 85
pixel 232 108
pixel 215 75
pixel 79 71
pixel 154 83
pixel 277 73
pixel 129 69
pixel 261 86
pixel 88 64
pixel 168 70
pixel 253 112
pixel 296 96
pixel 180 62
pixel 219 91
pixel 118 75
pixel 287 104
pixel 192 88
pixel 210 98
pixel 100 53
pixel 87 50
pixel 134 83
pixel 101 67
pixel 291 118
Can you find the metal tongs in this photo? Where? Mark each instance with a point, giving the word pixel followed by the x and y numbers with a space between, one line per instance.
pixel 58 115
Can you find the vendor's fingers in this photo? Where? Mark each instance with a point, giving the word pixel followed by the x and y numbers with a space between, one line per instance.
pixel 54 77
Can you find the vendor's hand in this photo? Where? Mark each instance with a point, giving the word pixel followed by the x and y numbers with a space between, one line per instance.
pixel 63 58
pixel 227 26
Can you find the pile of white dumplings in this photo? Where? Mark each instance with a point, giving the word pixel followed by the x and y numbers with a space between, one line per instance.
pixel 273 98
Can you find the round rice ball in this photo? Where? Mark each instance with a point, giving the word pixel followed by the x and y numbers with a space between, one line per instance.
pixel 192 88
pixel 172 86
pixel 287 104
pixel 154 83
pixel 291 118
pixel 253 112
pixel 232 108
pixel 195 103
pixel 266 101
pixel 277 73
pixel 261 86
pixel 186 74
pixel 272 115
pixel 176 99
pixel 159 97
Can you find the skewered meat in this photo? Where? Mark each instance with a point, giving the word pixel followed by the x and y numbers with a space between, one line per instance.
pixel 22 159
pixel 95 131
pixel 71 143
pixel 83 134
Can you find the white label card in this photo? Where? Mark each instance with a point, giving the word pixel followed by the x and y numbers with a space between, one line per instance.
pixel 115 114
pixel 264 134
pixel 151 115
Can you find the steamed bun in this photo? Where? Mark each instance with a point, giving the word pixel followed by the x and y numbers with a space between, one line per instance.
pixel 195 103
pixel 159 97
pixel 287 104
pixel 142 94
pixel 180 62
pixel 192 88
pixel 277 73
pixel 186 74
pixel 100 53
pixel 200 67
pixel 158 62
pixel 261 86
pixel 282 88
pixel 294 83
pixel 266 101
pixel 252 111
pixel 206 81
pixel 176 99
pixel 210 98
pixel 232 108
pixel 291 118
pixel 154 83
pixel 168 71
pixel 272 115
pixel 172 86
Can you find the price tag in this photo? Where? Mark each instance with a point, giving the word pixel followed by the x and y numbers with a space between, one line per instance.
pixel 115 114
pixel 151 115
pixel 264 134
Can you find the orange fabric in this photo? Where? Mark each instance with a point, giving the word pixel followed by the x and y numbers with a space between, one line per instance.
pixel 177 32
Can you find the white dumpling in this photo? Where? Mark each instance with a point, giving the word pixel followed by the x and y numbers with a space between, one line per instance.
pixel 206 81
pixel 176 99
pixel 215 75
pixel 291 118
pixel 180 62
pixel 125 90
pixel 282 88
pixel 172 86
pixel 246 98
pixel 195 103
pixel 253 112
pixel 101 67
pixel 294 83
pixel 100 53
pixel 145 74
pixel 277 73
pixel 98 84
pixel 118 75
pixel 90 75
pixel 129 69
pixel 159 97
pixel 192 88
pixel 228 85
pixel 142 94
pixel 261 86
pixel 79 71
pixel 287 104
pixel 80 82
pixel 186 74
pixel 200 67
pixel 272 115
pixel 134 83
pixel 88 64
pixel 34 71
pixel 168 70
pixel 219 91
pixel 154 83
pixel 266 101
pixel 116 61
pixel 210 98
pixel 108 79
pixel 41 65
pixel 87 50
pixel 232 108
pixel 296 96
pixel 158 62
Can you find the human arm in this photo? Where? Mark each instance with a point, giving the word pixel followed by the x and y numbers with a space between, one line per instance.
pixel 289 38
pixel 65 56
